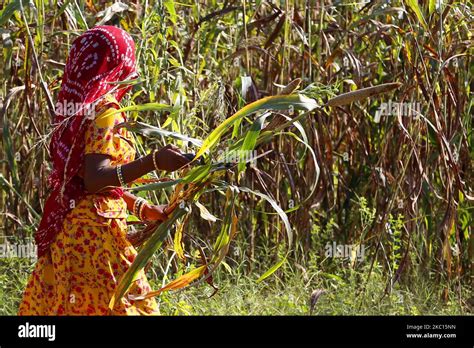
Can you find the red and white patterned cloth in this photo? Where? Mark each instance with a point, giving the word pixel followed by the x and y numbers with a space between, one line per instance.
pixel 98 58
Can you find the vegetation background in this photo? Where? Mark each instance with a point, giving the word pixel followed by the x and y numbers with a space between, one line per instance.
pixel 401 187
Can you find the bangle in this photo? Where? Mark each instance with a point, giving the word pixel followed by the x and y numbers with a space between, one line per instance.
pixel 154 160
pixel 137 206
pixel 120 176
pixel 140 210
pixel 134 208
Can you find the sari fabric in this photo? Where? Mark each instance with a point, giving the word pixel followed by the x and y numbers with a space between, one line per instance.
pixel 97 60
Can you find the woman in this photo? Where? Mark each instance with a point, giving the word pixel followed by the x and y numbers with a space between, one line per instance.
pixel 82 245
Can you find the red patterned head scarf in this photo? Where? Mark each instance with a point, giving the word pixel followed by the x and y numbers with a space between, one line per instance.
pixel 98 58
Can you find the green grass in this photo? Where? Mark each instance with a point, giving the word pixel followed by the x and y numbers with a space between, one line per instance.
pixel 284 294
pixel 14 274
pixel 241 295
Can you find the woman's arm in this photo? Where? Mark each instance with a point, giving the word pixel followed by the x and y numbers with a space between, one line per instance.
pixel 129 199
pixel 150 212
pixel 99 173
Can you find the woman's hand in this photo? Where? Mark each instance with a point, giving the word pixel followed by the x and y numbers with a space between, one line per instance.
pixel 170 158
pixel 154 212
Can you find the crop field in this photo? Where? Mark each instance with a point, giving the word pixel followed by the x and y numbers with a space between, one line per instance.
pixel 334 150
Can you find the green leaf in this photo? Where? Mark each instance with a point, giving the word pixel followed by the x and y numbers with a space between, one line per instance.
pixel 197 174
pixel 145 254
pixel 250 139
pixel 146 107
pixel 130 82
pixel 228 228
pixel 277 208
pixel 147 130
pixel 155 186
pixel 283 102
pixel 332 276
pixel 169 4
pixel 9 10
pixel 415 7
pixel 432 6
pixel 272 270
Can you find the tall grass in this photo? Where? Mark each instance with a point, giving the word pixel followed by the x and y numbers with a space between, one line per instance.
pixel 402 186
